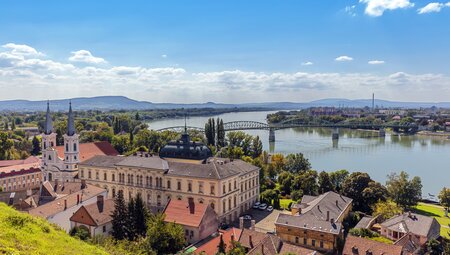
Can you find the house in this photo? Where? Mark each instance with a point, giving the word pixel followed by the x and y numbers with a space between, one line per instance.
pixel 209 245
pixel 198 220
pixel 315 223
pixel 363 246
pixel 61 209
pixel 410 244
pixel 95 217
pixel 17 175
pixel 257 243
pixel 422 227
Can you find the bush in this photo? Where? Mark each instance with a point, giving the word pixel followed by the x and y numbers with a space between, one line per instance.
pixel 363 232
pixel 80 233
pixel 296 195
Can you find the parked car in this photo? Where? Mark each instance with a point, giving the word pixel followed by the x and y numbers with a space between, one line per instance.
pixel 256 205
pixel 224 226
pixel 247 217
pixel 262 206
pixel 270 208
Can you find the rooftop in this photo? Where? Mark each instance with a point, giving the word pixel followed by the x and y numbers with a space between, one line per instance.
pixel 185 149
pixel 363 246
pixel 415 223
pixel 100 213
pixel 185 213
pixel 89 150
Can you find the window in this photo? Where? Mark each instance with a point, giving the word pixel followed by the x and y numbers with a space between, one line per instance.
pixel 313 242
pixel 229 187
pixel 212 206
pixel 178 185
pixel 67 147
pixel 223 189
pixel 305 241
pixel 105 177
pixel 321 244
pixel 114 192
pixel 75 147
pixel 89 174
pixel 168 184
pixel 223 205
pixel 200 188
pixel 190 187
pixel 96 175
pixel 296 239
pixel 104 229
pixel 212 190
pixel 235 185
pixel 113 177
pixel 235 202
pixel 82 173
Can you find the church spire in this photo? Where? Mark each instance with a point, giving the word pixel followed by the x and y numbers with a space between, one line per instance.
pixel 48 121
pixel 185 123
pixel 70 122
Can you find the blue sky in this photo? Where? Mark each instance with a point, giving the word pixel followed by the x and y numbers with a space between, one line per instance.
pixel 226 51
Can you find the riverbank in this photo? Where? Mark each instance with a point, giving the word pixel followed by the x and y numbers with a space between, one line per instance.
pixel 443 135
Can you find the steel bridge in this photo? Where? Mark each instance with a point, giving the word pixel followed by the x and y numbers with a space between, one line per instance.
pixel 298 123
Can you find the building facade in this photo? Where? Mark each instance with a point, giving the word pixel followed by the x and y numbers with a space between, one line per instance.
pixel 230 187
pixel 53 165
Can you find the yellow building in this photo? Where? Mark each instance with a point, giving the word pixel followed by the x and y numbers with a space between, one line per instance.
pixel 229 186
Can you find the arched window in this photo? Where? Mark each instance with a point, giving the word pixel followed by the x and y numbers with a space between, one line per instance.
pixel 49 157
pixel 235 202
pixel 190 187
pixel 229 187
pixel 67 147
pixel 223 206
pixel 89 174
pixel 75 147
pixel 113 192
pixel 168 184
pixel 212 206
pixel 151 181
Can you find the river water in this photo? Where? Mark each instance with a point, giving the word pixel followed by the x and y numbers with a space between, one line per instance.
pixel 356 150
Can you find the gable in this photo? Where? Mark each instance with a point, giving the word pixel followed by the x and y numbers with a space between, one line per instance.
pixel 82 216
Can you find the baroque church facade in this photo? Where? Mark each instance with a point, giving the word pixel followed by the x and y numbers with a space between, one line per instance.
pixel 55 167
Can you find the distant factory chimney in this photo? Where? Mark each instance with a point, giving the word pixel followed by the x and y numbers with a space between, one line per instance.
pixel 373 102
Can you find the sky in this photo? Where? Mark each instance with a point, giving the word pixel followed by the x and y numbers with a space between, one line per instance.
pixel 228 51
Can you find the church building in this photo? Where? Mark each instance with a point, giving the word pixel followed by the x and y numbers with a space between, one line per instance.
pixel 61 162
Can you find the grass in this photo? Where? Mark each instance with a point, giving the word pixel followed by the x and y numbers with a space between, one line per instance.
pixel 437 212
pixel 21 233
pixel 382 239
pixel 284 203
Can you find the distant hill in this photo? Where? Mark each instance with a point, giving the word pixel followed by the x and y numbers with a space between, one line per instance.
pixel 124 103
pixel 21 233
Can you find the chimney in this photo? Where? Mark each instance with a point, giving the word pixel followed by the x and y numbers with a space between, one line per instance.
pixel 65 204
pixel 337 203
pixel 83 184
pixel 241 222
pixel 252 227
pixel 100 201
pixel 328 215
pixel 250 242
pixel 262 249
pixel 232 238
pixel 78 198
pixel 56 185
pixel 191 205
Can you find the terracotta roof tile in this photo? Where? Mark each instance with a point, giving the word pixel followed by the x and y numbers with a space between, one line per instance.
pixel 357 245
pixel 211 246
pixel 100 214
pixel 89 150
pixel 185 213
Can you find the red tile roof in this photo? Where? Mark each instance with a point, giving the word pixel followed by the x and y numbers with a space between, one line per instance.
pixel 185 213
pixel 29 160
pixel 357 245
pixel 16 172
pixel 211 247
pixel 89 150
pixel 98 213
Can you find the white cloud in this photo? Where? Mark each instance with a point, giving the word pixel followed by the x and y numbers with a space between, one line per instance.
pixel 431 7
pixel 351 10
pixel 40 76
pixel 164 56
pixel 85 56
pixel 344 59
pixel 308 63
pixel 376 62
pixel 22 50
pixel 376 8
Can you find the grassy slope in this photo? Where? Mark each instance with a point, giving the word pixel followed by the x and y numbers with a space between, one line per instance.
pixel 21 233
pixel 436 212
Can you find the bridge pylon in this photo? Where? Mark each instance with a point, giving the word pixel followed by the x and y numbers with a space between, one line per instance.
pixel 335 134
pixel 382 132
pixel 271 135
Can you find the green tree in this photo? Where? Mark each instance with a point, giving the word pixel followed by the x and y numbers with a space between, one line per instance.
pixel 285 181
pixel 337 178
pixel 387 209
pixel 444 197
pixel 36 146
pixel 354 187
pixel 80 233
pixel 6 144
pixel 13 125
pixel 164 238
pixel 131 221
pixel 257 147
pixel 119 217
pixel 140 215
pixel 137 117
pixel 325 184
pixel 121 143
pixel 237 249
pixel 220 133
pixel 267 196
pixel 307 182
pixel 373 193
pixel 296 163
pixel 434 247
pixel 404 192
pixel 296 195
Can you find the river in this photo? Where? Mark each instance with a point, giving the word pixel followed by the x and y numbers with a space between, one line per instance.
pixel 356 150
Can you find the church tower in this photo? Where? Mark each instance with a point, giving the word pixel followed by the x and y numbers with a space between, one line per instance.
pixel 71 145
pixel 49 155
